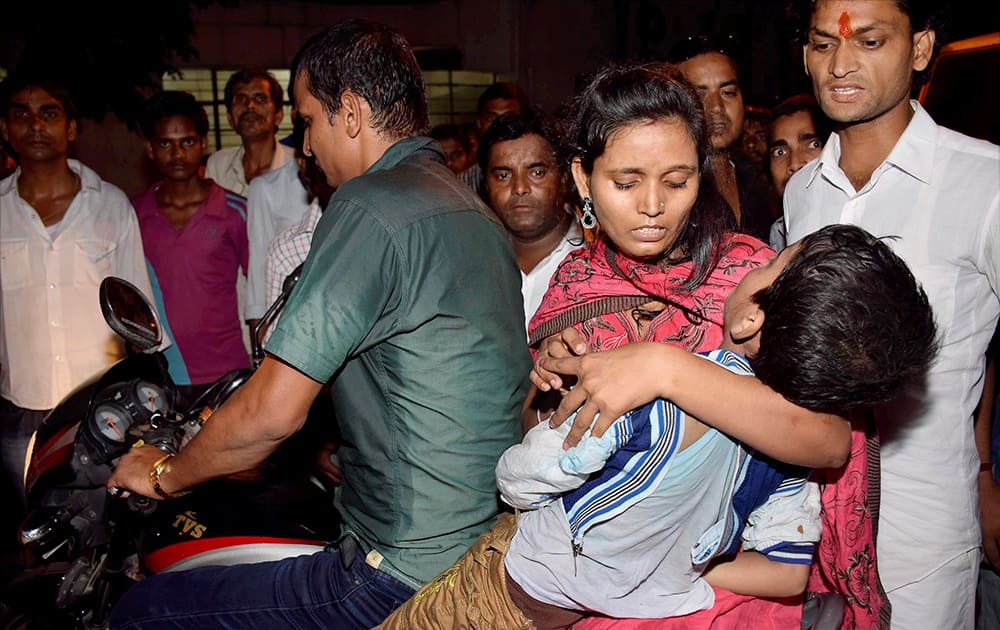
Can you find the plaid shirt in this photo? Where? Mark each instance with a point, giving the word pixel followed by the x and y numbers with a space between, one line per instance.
pixel 288 250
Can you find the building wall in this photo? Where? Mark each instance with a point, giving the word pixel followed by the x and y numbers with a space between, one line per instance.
pixel 548 46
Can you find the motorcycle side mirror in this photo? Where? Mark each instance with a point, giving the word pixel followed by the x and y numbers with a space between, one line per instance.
pixel 129 313
pixel 256 345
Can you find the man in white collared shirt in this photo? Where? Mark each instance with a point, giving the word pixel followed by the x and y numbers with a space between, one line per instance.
pixel 892 170
pixel 527 190
pixel 62 231
pixel 254 101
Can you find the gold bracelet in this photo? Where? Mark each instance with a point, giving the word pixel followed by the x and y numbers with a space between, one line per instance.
pixel 161 466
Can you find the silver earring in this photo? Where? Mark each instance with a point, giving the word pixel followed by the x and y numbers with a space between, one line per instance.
pixel 588 220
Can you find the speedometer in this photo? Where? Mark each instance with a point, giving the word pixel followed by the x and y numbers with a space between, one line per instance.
pixel 150 397
pixel 112 421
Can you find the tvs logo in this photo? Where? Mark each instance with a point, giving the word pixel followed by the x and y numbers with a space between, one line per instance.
pixel 187 523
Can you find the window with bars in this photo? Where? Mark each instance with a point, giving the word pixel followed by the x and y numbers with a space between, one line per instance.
pixel 451 97
pixel 208 86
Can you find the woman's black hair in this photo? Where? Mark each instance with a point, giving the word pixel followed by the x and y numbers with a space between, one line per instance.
pixel 620 95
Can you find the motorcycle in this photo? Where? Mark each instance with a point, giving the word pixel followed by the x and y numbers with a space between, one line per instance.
pixel 82 546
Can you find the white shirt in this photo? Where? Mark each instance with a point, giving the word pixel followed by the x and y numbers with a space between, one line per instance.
pixel 52 333
pixel 535 283
pixel 277 200
pixel 939 192
pixel 225 166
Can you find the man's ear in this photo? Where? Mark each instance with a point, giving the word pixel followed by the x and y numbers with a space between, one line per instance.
pixel 748 323
pixel 352 112
pixel 923 48
pixel 3 130
pixel 580 177
pixel 71 131
pixel 149 148
pixel 805 64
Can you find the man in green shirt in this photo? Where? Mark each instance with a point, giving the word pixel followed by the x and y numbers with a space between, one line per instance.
pixel 410 305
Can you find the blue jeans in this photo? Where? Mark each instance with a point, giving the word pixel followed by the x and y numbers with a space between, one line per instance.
pixel 304 592
pixel 16 427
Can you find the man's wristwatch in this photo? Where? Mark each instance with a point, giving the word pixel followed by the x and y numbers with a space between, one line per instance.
pixel 161 466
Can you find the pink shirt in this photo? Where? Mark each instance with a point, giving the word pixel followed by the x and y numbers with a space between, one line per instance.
pixel 197 271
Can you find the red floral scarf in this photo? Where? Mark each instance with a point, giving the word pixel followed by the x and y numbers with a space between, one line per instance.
pixel 595 287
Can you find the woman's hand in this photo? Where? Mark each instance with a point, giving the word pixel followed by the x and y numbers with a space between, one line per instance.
pixel 568 343
pixel 608 384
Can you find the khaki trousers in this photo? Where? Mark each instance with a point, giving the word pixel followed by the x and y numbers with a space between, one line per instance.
pixel 471 593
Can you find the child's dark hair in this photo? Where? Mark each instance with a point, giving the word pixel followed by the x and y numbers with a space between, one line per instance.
pixel 168 104
pixel 845 324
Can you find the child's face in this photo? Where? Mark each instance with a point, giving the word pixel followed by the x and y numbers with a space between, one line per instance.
pixel 740 301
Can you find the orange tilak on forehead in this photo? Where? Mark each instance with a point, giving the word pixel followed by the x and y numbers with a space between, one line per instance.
pixel 845 25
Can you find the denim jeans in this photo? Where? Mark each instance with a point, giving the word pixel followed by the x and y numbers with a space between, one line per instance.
pixel 16 427
pixel 304 592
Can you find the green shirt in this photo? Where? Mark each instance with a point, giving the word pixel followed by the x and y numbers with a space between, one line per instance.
pixel 410 300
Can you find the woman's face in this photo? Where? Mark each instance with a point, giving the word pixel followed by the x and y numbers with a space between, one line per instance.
pixel 643 186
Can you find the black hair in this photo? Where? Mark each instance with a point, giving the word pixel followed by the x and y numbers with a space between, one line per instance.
pixel 248 75
pixel 923 15
pixel 18 81
pixel 703 44
pixel 804 103
pixel 449 131
pixel 624 94
pixel 512 126
pixel 172 103
pixel 503 89
pixel 845 324
pixel 373 61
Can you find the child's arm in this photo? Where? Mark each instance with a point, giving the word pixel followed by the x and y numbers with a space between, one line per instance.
pixel 529 475
pixel 751 573
pixel 779 543
pixel 614 381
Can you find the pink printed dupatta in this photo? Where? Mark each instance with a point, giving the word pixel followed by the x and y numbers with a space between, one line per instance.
pixel 595 287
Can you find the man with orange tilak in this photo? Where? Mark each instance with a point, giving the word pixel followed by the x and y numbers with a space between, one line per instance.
pixel 890 169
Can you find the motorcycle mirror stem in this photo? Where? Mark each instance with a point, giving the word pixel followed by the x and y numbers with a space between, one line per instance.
pixel 256 345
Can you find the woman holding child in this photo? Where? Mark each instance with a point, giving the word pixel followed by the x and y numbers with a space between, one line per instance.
pixel 665 258
pixel 638 284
